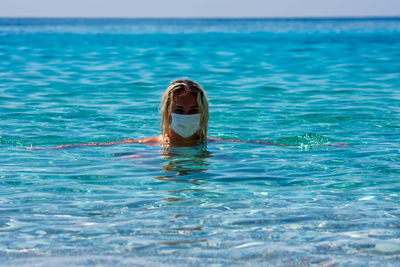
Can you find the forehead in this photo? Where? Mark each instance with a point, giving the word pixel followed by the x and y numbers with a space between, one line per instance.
pixel 185 98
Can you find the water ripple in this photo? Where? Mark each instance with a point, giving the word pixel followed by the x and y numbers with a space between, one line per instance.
pixel 302 83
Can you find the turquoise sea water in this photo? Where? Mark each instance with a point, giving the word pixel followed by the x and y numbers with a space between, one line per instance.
pixel 299 82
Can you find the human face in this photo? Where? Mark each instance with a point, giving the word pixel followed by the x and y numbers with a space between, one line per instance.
pixel 185 103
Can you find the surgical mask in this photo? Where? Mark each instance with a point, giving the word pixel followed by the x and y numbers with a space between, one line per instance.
pixel 185 125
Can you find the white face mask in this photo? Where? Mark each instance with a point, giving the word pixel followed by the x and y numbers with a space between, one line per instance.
pixel 185 125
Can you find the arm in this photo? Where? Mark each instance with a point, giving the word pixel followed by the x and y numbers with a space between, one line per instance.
pixel 242 141
pixel 336 144
pixel 124 141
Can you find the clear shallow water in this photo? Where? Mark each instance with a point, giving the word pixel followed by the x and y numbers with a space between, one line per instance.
pixel 298 82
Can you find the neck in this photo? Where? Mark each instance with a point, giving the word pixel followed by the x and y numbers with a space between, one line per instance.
pixel 173 139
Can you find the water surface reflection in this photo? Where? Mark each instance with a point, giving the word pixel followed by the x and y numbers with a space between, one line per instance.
pixel 185 164
pixel 187 167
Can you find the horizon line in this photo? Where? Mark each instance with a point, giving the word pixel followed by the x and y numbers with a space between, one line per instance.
pixel 216 17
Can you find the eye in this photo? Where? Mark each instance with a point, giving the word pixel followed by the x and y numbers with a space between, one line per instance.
pixel 179 111
pixel 194 111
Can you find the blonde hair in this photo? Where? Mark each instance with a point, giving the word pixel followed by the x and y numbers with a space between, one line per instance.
pixel 166 109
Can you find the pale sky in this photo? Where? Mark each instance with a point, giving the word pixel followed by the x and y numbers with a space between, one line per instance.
pixel 198 8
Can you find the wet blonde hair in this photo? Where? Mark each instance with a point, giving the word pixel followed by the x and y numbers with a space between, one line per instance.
pixel 178 86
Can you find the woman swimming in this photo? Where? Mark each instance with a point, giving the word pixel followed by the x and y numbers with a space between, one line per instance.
pixel 184 115
pixel 184 120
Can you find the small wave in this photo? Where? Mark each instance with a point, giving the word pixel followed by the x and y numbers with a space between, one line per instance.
pixel 309 139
